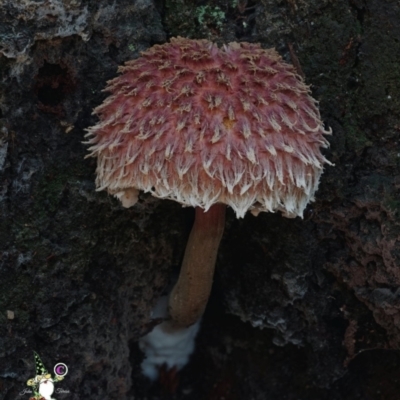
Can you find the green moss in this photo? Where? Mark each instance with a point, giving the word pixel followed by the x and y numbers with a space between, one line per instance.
pixel 24 231
pixel 352 66
pixel 392 204
pixel 50 191
pixel 188 19
pixel 23 290
pixel 209 15
pixel 356 139
pixel 179 19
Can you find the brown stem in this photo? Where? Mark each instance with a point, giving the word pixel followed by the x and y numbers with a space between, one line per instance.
pixel 189 296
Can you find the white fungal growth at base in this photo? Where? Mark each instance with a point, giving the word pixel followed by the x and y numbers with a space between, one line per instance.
pixel 165 345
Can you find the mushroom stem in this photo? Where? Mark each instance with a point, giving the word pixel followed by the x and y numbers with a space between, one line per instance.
pixel 189 296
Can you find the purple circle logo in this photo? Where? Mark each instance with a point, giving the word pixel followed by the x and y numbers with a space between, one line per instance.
pixel 60 369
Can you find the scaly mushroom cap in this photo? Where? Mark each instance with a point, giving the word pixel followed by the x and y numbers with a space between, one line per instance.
pixel 198 124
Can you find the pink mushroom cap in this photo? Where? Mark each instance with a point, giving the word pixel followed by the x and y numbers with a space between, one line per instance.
pixel 200 125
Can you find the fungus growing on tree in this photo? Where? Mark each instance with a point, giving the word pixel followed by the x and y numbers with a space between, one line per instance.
pixel 209 127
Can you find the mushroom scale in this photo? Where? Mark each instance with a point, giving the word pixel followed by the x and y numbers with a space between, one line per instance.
pixel 200 125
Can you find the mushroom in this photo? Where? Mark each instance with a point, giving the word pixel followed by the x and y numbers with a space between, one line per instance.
pixel 209 127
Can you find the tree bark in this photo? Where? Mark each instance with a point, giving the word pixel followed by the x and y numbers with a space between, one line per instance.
pixel 79 274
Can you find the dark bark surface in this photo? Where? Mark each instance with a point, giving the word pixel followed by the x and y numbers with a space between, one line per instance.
pixel 301 309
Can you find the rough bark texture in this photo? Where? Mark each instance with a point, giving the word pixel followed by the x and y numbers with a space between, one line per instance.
pixel 301 309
